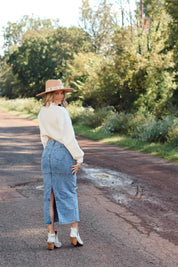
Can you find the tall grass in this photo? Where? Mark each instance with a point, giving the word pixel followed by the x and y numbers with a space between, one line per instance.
pixel 27 106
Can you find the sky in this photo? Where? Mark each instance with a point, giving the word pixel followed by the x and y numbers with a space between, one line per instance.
pixel 67 11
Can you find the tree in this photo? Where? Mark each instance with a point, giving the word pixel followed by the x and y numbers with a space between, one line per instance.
pixel 171 7
pixel 9 83
pixel 138 70
pixel 157 60
pixel 44 54
pixel 100 23
pixel 14 32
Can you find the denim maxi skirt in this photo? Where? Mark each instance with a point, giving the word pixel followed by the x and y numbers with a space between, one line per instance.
pixel 56 166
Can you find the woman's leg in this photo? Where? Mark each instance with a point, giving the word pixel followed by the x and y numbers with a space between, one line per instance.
pixel 51 226
pixel 53 240
pixel 75 225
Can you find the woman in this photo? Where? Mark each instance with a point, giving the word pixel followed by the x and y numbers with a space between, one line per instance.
pixel 61 159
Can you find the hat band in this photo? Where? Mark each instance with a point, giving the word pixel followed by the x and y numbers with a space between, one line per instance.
pixel 54 88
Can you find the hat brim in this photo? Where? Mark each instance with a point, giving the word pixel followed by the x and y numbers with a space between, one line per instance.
pixel 67 90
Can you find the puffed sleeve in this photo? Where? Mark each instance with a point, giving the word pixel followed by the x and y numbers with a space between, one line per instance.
pixel 68 135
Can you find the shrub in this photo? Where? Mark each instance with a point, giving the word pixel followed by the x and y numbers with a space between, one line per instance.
pixel 137 119
pixel 117 122
pixel 155 130
pixel 87 117
pixel 76 111
pixel 94 118
pixel 102 114
pixel 172 136
pixel 29 105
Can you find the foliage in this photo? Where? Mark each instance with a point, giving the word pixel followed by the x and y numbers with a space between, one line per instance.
pixel 85 75
pixel 99 23
pixel 9 84
pixel 25 105
pixel 40 54
pixel 117 123
pixel 171 7
pixel 155 130
pixel 14 33
pixel 172 135
pixel 143 127
pixel 127 80
pixel 75 110
pixel 94 118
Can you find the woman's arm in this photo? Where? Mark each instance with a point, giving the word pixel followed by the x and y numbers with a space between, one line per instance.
pixel 68 136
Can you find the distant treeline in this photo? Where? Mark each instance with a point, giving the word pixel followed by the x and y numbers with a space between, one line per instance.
pixel 129 67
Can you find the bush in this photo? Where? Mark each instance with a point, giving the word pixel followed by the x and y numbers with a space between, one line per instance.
pixel 117 123
pixel 76 111
pixel 94 118
pixel 87 117
pixel 139 118
pixel 172 136
pixel 29 105
pixel 156 130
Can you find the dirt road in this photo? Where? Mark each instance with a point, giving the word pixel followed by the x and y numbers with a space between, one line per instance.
pixel 127 200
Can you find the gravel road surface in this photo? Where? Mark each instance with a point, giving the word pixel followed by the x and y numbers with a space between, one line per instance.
pixel 128 205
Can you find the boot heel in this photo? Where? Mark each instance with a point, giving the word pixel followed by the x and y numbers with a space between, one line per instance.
pixel 73 241
pixel 50 246
pixel 75 237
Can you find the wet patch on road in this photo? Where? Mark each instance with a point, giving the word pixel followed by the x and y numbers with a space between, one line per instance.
pixel 120 185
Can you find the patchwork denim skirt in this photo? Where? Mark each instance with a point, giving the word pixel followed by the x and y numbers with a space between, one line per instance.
pixel 56 164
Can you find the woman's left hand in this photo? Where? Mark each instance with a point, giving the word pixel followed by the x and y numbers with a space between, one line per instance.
pixel 76 167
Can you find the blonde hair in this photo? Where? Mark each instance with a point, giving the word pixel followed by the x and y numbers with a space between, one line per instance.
pixel 49 98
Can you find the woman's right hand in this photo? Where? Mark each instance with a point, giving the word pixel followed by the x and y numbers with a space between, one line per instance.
pixel 76 167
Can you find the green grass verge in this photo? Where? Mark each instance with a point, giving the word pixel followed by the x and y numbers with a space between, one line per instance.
pixel 166 151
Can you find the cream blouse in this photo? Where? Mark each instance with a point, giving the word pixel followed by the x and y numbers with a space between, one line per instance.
pixel 55 122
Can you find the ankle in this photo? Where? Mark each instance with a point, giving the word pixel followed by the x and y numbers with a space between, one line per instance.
pixel 51 232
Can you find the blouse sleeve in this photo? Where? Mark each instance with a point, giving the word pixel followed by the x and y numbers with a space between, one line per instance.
pixel 44 139
pixel 68 136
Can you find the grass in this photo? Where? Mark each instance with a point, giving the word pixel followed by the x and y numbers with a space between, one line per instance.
pixel 29 108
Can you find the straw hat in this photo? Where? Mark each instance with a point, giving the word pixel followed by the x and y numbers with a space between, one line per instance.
pixel 54 85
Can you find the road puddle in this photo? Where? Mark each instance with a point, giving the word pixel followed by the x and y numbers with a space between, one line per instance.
pixel 120 184
pixel 106 177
